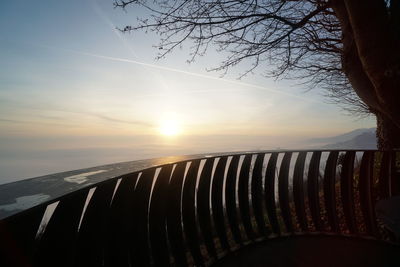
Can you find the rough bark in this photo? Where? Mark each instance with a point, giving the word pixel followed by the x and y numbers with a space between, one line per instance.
pixel 387 133
pixel 371 62
pixel 351 64
pixel 378 52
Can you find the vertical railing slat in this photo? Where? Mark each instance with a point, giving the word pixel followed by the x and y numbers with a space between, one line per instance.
pixel 298 191
pixel 257 194
pixel 57 244
pixel 174 215
pixel 270 193
pixel 384 175
pixel 283 189
pixel 141 202
pixel 313 190
pixel 395 175
pixel 216 202
pixel 189 212
pixel 203 207
pixel 17 237
pixel 330 191
pixel 157 218
pixel 230 196
pixel 119 248
pixel 243 193
pixel 92 232
pixel 365 187
pixel 347 191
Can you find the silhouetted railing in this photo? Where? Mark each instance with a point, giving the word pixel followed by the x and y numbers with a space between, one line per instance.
pixel 194 212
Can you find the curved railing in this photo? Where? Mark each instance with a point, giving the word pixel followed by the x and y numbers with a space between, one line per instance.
pixel 195 212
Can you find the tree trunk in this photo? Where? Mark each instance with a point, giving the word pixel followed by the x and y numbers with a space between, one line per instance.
pixel 371 61
pixel 387 133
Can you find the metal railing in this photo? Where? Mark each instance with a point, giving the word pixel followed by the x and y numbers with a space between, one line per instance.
pixel 195 212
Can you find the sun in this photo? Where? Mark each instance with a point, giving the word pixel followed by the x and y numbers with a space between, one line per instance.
pixel 170 126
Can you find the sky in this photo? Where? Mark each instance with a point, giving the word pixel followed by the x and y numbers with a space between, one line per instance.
pixel 75 93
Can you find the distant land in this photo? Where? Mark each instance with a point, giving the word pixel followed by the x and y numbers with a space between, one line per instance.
pixel 357 139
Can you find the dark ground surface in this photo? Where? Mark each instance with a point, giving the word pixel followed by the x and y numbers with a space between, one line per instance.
pixel 314 251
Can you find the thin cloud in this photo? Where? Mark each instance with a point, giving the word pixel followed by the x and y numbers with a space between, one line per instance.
pixel 12 121
pixel 141 123
pixel 34 122
pixel 58 109
pixel 100 116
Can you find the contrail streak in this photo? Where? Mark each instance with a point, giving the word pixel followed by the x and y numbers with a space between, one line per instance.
pixel 105 18
pixel 114 29
pixel 180 71
pixel 192 74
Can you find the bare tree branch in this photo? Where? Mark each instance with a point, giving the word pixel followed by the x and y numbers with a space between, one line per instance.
pixel 300 40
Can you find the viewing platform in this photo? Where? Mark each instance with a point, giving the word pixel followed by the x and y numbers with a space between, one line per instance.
pixel 261 208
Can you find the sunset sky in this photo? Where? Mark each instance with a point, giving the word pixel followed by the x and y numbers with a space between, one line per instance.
pixel 75 92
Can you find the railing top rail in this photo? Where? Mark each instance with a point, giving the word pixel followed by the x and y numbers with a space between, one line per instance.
pixel 21 195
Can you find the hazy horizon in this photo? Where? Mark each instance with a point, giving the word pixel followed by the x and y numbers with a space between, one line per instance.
pixel 22 158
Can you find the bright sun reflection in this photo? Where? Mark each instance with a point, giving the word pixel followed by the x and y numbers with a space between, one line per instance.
pixel 170 126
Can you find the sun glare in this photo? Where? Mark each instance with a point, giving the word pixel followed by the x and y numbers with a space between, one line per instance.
pixel 170 127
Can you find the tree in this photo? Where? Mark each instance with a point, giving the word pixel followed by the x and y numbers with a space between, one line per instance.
pixel 349 48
